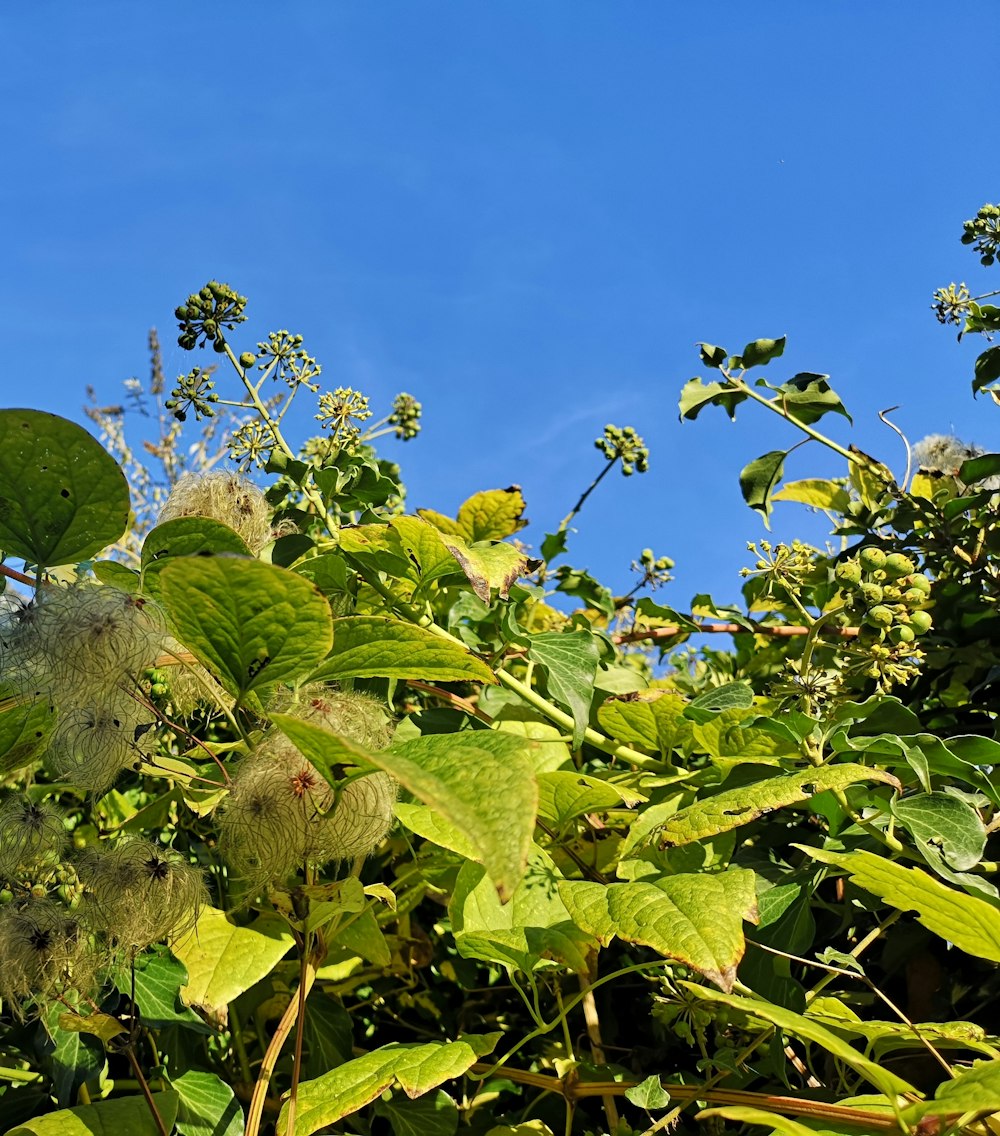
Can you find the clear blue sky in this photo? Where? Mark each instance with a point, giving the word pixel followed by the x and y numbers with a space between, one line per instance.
pixel 525 214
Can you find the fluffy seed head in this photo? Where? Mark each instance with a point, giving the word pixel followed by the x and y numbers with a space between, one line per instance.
pixel 137 893
pixel 93 745
pixel 42 950
pixel 225 497
pixel 359 717
pixel 32 837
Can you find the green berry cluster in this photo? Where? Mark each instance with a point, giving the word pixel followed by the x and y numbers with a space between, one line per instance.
pixel 655 569
pixel 202 317
pixel 983 233
pixel 890 592
pixel 405 417
pixel 622 442
pixel 194 391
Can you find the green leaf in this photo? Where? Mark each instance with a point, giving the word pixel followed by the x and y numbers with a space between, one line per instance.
pixel 377 646
pixel 697 394
pixel 569 659
pixel 649 1094
pixel 563 795
pixel 943 826
pixel 119 576
pixel 712 356
pixel 779 1125
pixel 533 930
pixel 363 937
pixel 328 1034
pixel 737 807
pixel 415 1068
pixel 969 923
pixel 185 536
pixel 816 492
pixel 480 781
pixel 980 468
pixel 729 696
pixel 74 1058
pixel 435 1114
pixel 758 479
pixel 742 735
pixel 761 351
pixel 653 720
pixel 800 1026
pixel 987 370
pixel 62 496
pixel 24 734
pixel 223 960
pixel 695 919
pixel 807 397
pixel 158 983
pixel 206 1106
pixel 975 1090
pixel 488 567
pixel 120 1116
pixel 252 624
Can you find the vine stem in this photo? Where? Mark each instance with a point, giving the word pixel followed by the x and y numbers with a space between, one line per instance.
pixel 779 631
pixel 20 577
pixel 288 1019
pixel 144 1087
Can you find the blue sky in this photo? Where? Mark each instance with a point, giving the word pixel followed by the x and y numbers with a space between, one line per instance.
pixel 523 213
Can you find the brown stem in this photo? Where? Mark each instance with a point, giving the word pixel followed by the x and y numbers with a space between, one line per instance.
pixel 455 700
pixel 137 1069
pixel 19 576
pixel 779 631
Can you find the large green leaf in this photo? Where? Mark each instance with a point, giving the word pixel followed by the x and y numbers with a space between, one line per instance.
pixel 697 394
pixel 569 659
pixel 943 826
pixel 223 960
pixel 158 981
pixel 434 1114
pixel 806 397
pixel 761 351
pixel 975 1090
pixel 185 536
pixel 696 919
pixel 415 1068
pixel 736 807
pixel 74 1057
pixel 377 646
pixel 428 823
pixel 206 1106
pixel 563 795
pixel 798 1025
pixel 253 624
pixel 535 929
pixel 62 496
pixel 24 734
pixel 120 1116
pixel 480 781
pixel 652 720
pixel 970 923
pixel 758 480
pixel 816 492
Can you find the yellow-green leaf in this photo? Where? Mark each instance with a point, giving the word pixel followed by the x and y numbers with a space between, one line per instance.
pixel 816 492
pixel 970 923
pixel 736 807
pixel 24 733
pixel 415 1068
pixel 223 960
pixel 120 1116
pixel 377 646
pixel 652 720
pixel 492 514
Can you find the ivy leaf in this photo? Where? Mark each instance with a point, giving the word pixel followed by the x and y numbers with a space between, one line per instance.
pixel 697 394
pixel 185 536
pixel 737 807
pixel 159 979
pixel 206 1106
pixel 806 397
pixel 649 1094
pixel 943 826
pixel 24 734
pixel 761 351
pixel 758 479
pixel 800 1026
pixel 62 496
pixel 711 355
pixel 968 922
pixel 378 646
pixel 653 720
pixel 569 659
pixel 73 1057
pixel 102 1026
pixel 223 960
pixel 415 1068
pixel 119 1116
pixel 252 624
pixel 695 919
pixel 987 370
pixel 480 781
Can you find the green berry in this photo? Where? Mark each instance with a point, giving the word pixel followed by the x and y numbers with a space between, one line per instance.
pixel 898 565
pixel 872 558
pixel 879 616
pixel 919 580
pixel 902 634
pixel 871 594
pixel 913 597
pixel 247 359
pixel 921 621
pixel 848 572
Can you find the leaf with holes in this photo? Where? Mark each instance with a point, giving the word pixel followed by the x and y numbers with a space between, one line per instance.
pixel 737 807
pixel 62 496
